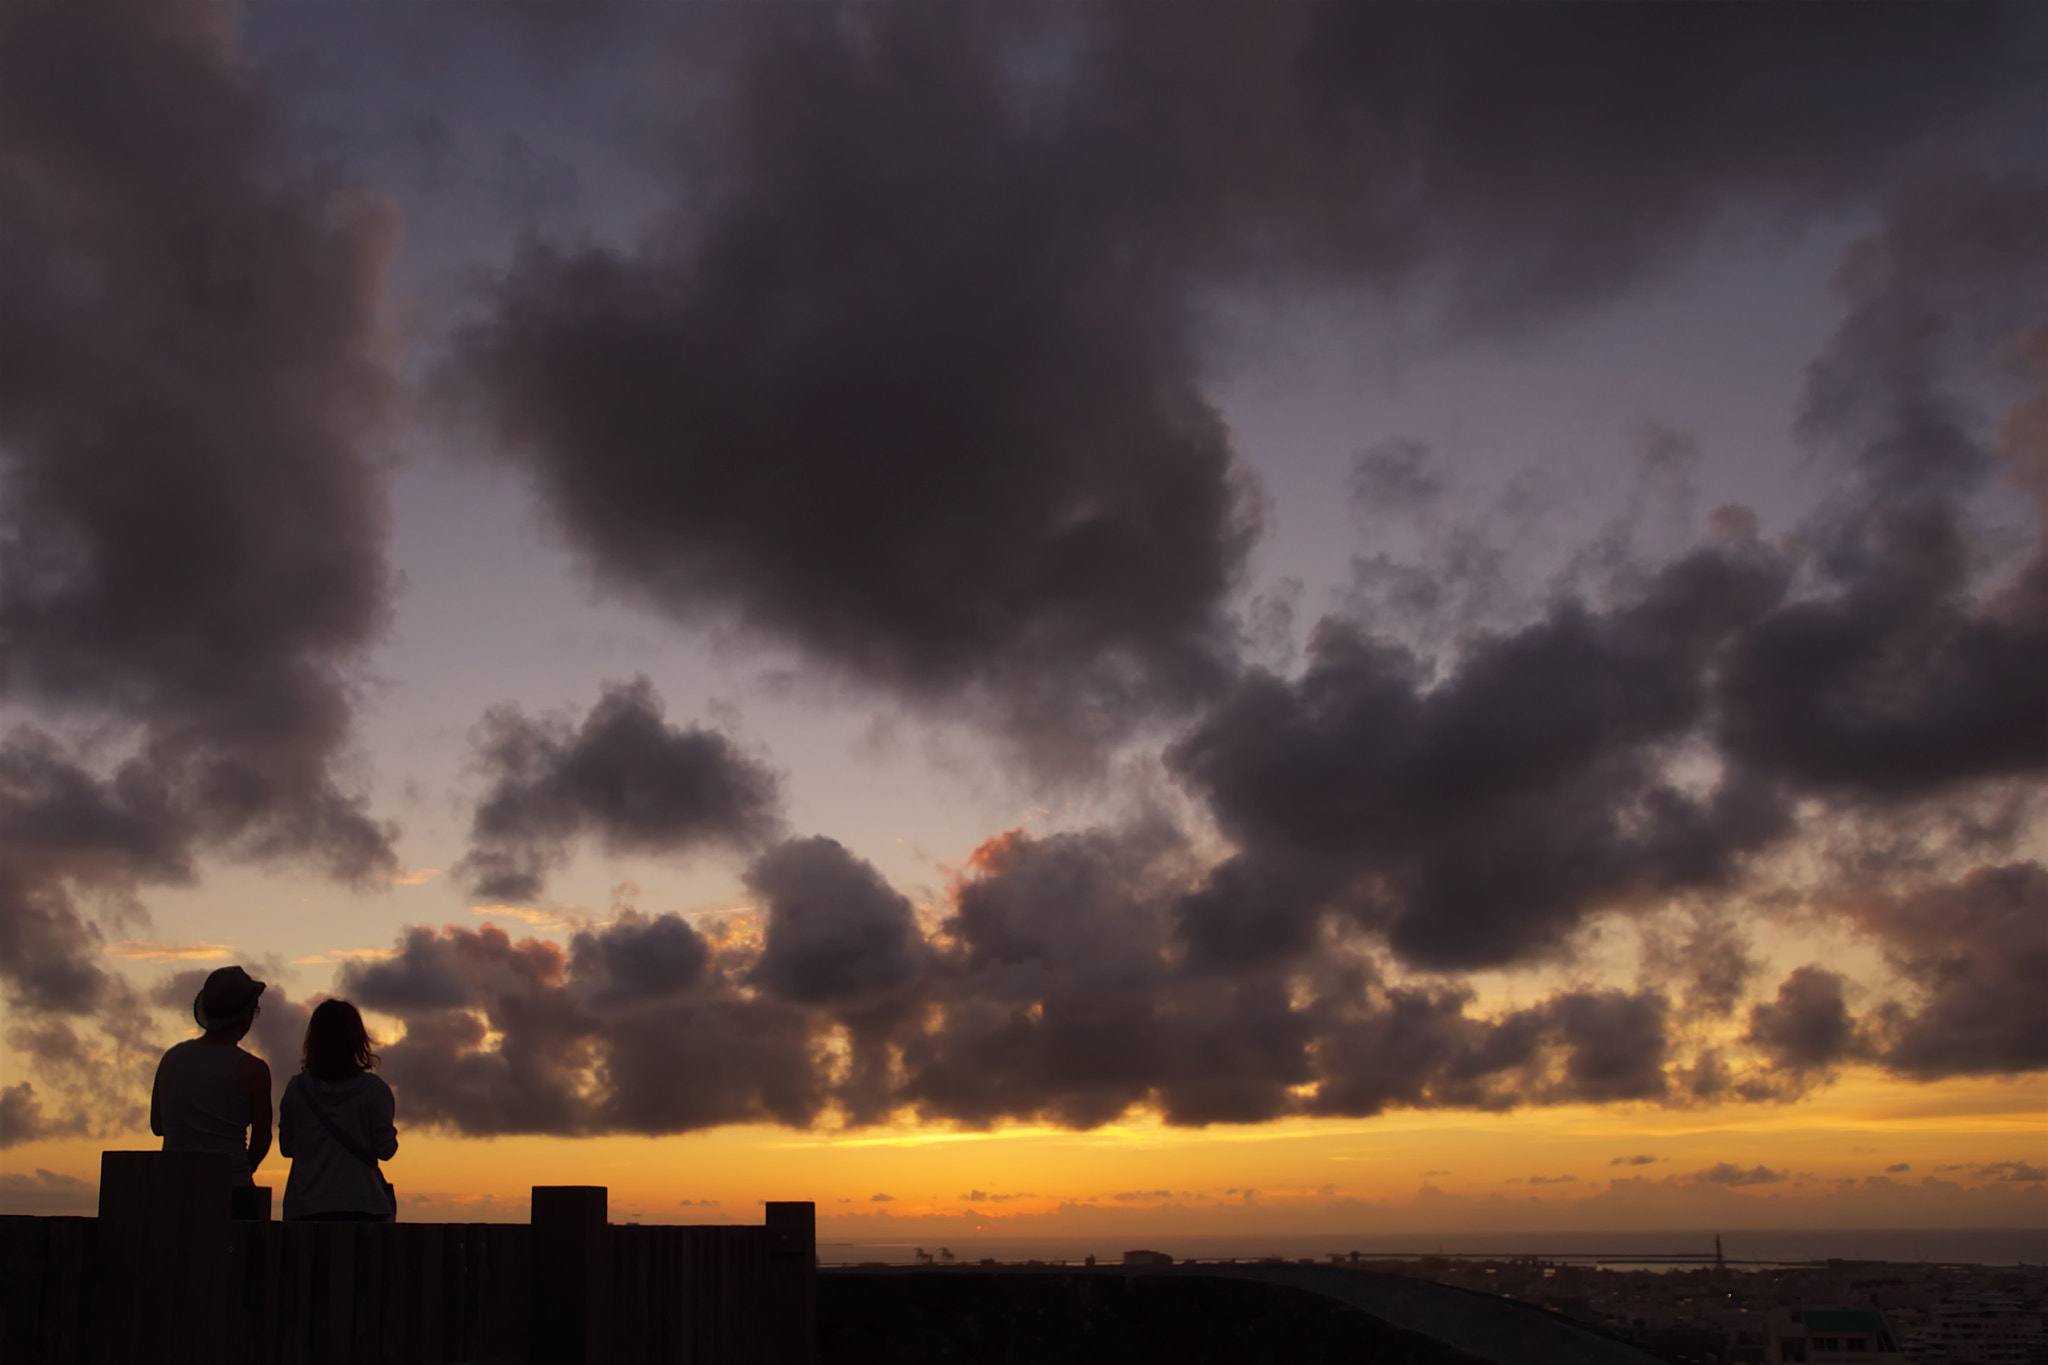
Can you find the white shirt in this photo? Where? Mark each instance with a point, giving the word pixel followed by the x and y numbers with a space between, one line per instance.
pixel 325 1177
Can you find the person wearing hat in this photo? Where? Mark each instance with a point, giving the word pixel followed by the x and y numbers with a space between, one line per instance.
pixel 210 1095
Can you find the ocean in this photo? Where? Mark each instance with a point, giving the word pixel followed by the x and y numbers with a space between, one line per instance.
pixel 1681 1249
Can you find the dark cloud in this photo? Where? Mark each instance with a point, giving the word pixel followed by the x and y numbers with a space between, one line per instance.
pixel 625 1032
pixel 1973 954
pixel 1479 817
pixel 1897 1168
pixel 65 831
pixel 938 425
pixel 910 380
pixel 624 776
pixel 1478 805
pixel 21 1115
pixel 1711 966
pixel 1728 1173
pixel 1055 992
pixel 1635 1161
pixel 1551 155
pixel 1807 1028
pixel 191 540
pixel 636 958
pixel 1898 676
pixel 837 933
pixel 191 537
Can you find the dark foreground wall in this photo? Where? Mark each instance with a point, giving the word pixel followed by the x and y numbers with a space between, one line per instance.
pixel 1028 1317
pixel 164 1276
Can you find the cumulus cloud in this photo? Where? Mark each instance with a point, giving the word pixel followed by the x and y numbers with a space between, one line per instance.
pixel 625 1031
pixel 911 380
pixel 191 539
pixel 1972 954
pixel 1807 1028
pixel 910 376
pixel 837 933
pixel 1365 785
pixel 1055 991
pixel 623 775
pixel 1728 1173
pixel 941 429
pixel 1478 806
pixel 21 1115
pixel 1898 676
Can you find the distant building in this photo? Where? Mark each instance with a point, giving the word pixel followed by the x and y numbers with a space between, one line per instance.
pixel 1831 1336
pixel 1147 1258
pixel 1979 1328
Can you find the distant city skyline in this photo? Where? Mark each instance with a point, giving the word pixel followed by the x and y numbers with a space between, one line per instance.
pixel 1226 621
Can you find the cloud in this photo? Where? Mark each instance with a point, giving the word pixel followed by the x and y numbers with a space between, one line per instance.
pixel 1807 1028
pixel 624 1032
pixel 1395 477
pixel 837 933
pixel 2017 1172
pixel 1727 1173
pixel 881 1198
pixel 1897 1168
pixel 1973 952
pixel 941 430
pixel 1553 1180
pixel 1364 785
pixel 908 375
pixel 137 950
pixel 21 1115
pixel 1635 1161
pixel 1895 678
pixel 624 775
pixel 47 1194
pixel 191 535
pixel 1054 992
pixel 1556 157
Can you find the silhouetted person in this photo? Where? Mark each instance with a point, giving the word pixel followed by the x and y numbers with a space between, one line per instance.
pixel 210 1095
pixel 335 1123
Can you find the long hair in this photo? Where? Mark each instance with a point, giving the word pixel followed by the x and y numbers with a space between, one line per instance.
pixel 337 1044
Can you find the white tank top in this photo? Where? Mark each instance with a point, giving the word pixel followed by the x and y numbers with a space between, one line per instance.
pixel 202 1106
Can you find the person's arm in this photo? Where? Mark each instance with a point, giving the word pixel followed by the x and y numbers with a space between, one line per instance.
pixel 156 1107
pixel 383 1125
pixel 254 1074
pixel 286 1130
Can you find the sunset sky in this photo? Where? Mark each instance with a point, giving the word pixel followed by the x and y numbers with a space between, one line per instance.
pixel 1097 621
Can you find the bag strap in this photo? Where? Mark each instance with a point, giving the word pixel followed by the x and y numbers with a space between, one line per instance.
pixel 348 1144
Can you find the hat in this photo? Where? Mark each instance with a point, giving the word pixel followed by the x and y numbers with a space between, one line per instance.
pixel 228 994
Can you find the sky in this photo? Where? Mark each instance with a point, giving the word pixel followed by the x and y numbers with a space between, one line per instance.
pixel 1042 621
